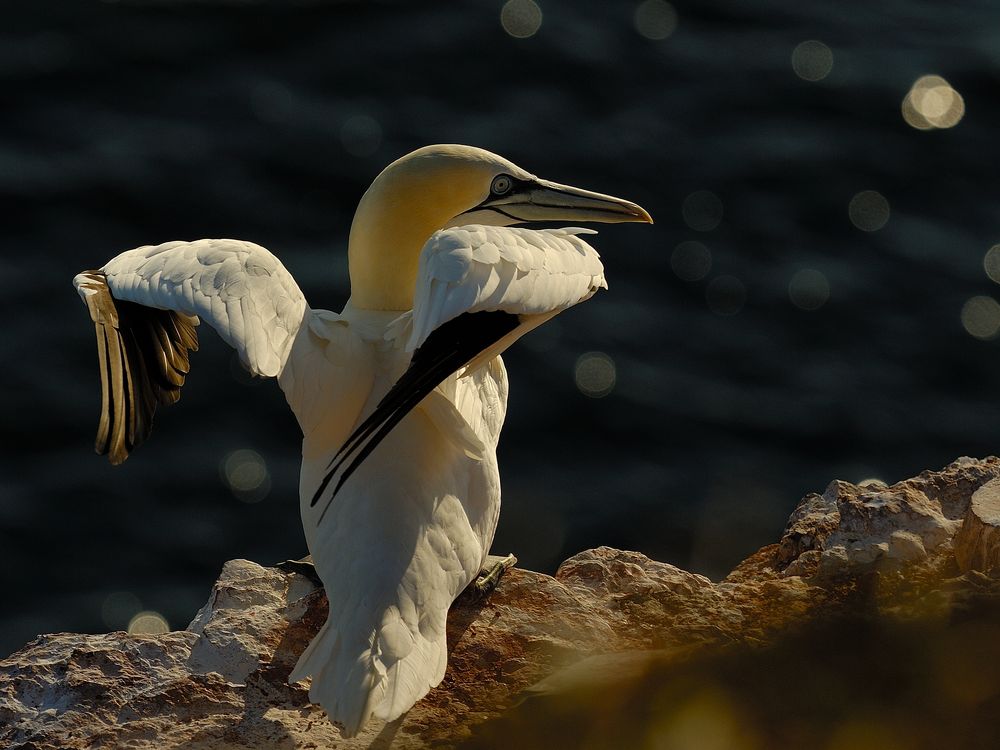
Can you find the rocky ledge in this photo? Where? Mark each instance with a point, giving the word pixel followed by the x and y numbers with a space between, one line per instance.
pixel 873 622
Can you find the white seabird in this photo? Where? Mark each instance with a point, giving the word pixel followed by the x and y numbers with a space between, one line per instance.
pixel 400 397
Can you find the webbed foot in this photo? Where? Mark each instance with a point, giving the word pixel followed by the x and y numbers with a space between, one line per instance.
pixel 489 576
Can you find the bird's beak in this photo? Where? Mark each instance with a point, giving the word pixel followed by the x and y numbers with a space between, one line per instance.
pixel 541 200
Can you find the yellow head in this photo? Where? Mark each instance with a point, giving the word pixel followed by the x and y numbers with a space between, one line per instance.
pixel 448 185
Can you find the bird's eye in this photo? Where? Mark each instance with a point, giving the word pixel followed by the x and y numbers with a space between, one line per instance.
pixel 502 184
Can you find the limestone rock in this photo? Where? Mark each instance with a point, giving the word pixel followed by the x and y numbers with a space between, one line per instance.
pixel 650 604
pixel 977 544
pixel 222 682
pixel 612 636
pixel 850 526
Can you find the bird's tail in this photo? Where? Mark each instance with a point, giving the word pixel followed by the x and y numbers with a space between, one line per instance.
pixel 382 675
pixel 143 355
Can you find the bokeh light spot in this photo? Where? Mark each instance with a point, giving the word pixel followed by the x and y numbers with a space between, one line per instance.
pixel 991 263
pixel 118 609
pixel 932 103
pixel 725 295
pixel 707 720
pixel 361 135
pixel 812 60
pixel 981 317
pixel 872 483
pixel 148 623
pixel 691 260
pixel 858 733
pixel 702 210
pixel 595 374
pixel 246 474
pixel 868 210
pixel 655 19
pixel 809 289
pixel 521 18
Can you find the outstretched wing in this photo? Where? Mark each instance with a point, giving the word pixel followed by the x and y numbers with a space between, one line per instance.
pixel 479 289
pixel 145 304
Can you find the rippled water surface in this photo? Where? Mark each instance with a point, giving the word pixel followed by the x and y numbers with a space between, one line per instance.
pixel 811 304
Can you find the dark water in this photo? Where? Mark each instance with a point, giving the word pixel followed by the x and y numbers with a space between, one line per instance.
pixel 131 123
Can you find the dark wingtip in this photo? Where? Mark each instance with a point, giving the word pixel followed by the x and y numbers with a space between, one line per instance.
pixel 449 347
pixel 143 358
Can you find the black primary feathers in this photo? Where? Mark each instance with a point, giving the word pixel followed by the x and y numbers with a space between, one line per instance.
pixel 448 348
pixel 143 355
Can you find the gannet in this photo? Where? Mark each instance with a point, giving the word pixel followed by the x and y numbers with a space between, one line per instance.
pixel 400 397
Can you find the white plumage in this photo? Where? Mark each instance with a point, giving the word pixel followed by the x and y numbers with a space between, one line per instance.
pixel 520 271
pixel 399 533
pixel 240 288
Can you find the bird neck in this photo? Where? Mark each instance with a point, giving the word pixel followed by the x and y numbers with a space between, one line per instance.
pixel 383 254
pixel 405 205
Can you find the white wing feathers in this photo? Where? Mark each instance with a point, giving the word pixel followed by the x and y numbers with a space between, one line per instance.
pixel 145 305
pixel 237 287
pixel 478 290
pixel 531 273
pixel 511 269
pixel 483 269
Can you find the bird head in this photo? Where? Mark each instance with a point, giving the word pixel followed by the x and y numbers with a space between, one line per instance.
pixel 445 186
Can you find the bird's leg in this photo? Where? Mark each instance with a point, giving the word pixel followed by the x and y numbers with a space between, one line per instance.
pixel 303 566
pixel 489 576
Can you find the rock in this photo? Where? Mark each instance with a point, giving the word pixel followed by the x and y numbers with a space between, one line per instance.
pixel 815 518
pixel 650 604
pixel 238 626
pixel 906 546
pixel 221 682
pixel 853 526
pixel 613 643
pixel 977 544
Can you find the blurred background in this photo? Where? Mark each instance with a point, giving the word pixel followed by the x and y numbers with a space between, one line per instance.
pixel 815 301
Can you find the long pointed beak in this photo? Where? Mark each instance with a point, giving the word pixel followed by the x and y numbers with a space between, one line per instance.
pixel 541 200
